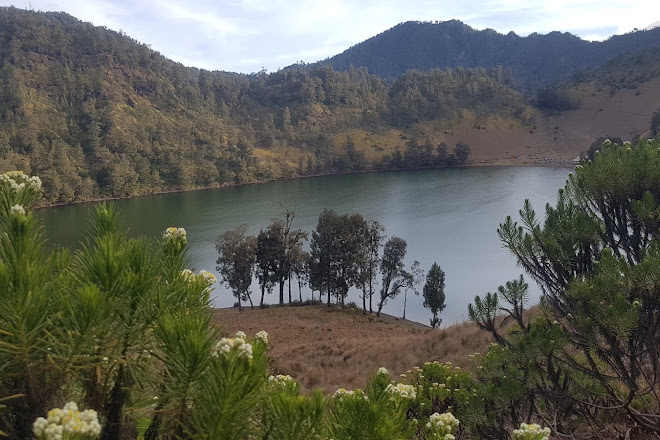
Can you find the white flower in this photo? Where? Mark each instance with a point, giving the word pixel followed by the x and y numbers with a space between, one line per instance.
pixel 188 275
pixel 225 346
pixel 17 181
pixel 402 391
pixel 531 432
pixel 17 210
pixel 262 336
pixel 383 371
pixel 343 392
pixel 208 277
pixel 69 422
pixel 240 334
pixel 281 381
pixel 442 425
pixel 175 235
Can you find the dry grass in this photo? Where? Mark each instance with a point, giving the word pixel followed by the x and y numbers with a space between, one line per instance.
pixel 329 348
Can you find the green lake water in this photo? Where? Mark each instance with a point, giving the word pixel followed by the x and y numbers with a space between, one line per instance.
pixel 449 216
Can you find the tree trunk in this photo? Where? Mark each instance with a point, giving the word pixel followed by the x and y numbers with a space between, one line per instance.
pixel 263 293
pixel 250 299
pixel 364 300
pixel 281 290
pixel 371 295
pixel 405 299
pixel 112 428
pixel 300 289
pixel 380 306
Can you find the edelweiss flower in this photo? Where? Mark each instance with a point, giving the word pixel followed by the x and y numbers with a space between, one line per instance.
pixel 402 391
pixel 225 346
pixel 67 422
pixel 17 210
pixel 261 336
pixel 531 432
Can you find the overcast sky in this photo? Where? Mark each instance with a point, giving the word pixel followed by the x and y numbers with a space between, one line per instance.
pixel 248 35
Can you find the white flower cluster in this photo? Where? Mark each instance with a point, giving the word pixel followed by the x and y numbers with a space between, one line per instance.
pixel 67 422
pixel 281 381
pixel 17 210
pixel 383 371
pixel 442 426
pixel 175 234
pixel 262 336
pixel 226 345
pixel 189 275
pixel 343 392
pixel 531 432
pixel 18 181
pixel 208 277
pixel 402 391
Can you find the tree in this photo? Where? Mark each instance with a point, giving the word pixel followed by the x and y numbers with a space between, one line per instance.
pixel 593 257
pixel 336 253
pixel 461 153
pixel 322 254
pixel 292 246
pixel 236 261
pixel 267 251
pixel 299 266
pixel 369 261
pixel 410 281
pixel 434 292
pixel 391 267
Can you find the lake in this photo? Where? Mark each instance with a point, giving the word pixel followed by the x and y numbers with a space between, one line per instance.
pixel 450 216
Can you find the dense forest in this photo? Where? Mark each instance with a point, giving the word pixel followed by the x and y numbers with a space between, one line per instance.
pixel 97 114
pixel 526 63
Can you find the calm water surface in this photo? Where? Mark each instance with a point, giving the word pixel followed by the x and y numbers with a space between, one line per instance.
pixel 449 216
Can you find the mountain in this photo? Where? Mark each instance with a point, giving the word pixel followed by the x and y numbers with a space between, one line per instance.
pixel 97 114
pixel 527 62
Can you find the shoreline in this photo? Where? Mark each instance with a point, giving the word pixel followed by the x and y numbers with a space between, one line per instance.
pixel 482 163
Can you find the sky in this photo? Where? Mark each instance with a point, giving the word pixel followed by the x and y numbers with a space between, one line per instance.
pixel 250 35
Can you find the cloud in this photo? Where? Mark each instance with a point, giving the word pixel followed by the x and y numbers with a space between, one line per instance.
pixel 246 35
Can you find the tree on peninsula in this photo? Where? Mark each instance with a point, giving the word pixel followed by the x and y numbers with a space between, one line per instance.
pixel 236 261
pixel 434 293
pixel 391 267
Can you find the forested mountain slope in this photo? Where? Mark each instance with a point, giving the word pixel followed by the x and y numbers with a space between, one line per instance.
pixel 97 114
pixel 526 63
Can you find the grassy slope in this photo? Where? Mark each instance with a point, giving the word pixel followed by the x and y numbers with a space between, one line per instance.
pixel 329 348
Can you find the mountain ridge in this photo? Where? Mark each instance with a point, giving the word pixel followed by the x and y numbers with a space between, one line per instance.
pixel 535 60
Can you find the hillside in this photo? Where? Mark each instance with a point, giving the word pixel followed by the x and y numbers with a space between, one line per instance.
pixel 97 114
pixel 328 348
pixel 526 63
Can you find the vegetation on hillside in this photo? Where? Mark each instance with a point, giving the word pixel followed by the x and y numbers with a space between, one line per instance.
pixel 97 114
pixel 592 355
pixel 524 63
pixel 122 329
